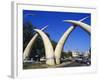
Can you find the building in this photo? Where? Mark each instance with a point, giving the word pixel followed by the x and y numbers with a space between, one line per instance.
pixel 75 54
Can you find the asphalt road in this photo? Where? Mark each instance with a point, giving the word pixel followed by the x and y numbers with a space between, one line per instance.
pixel 43 65
pixel 74 64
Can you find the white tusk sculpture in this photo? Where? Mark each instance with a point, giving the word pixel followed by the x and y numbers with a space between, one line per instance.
pixel 50 54
pixel 84 26
pixel 48 47
pixel 64 37
pixel 29 46
pixel 60 44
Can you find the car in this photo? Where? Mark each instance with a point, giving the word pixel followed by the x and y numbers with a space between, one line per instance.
pixel 86 61
pixel 83 61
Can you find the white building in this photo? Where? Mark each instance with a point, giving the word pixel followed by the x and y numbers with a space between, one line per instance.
pixel 75 53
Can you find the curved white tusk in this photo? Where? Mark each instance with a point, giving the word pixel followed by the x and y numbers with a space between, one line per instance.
pixel 60 44
pixel 84 26
pixel 48 47
pixel 31 42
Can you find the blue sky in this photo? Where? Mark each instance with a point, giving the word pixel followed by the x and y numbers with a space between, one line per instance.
pixel 78 40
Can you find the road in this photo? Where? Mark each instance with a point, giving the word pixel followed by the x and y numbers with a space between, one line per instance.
pixel 74 64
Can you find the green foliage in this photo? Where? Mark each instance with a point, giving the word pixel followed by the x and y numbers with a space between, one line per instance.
pixel 54 44
pixel 28 33
pixel 66 54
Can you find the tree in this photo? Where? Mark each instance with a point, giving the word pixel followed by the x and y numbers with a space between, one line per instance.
pixel 28 33
pixel 66 54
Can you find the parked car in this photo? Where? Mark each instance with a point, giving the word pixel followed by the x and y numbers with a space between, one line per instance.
pixel 86 61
